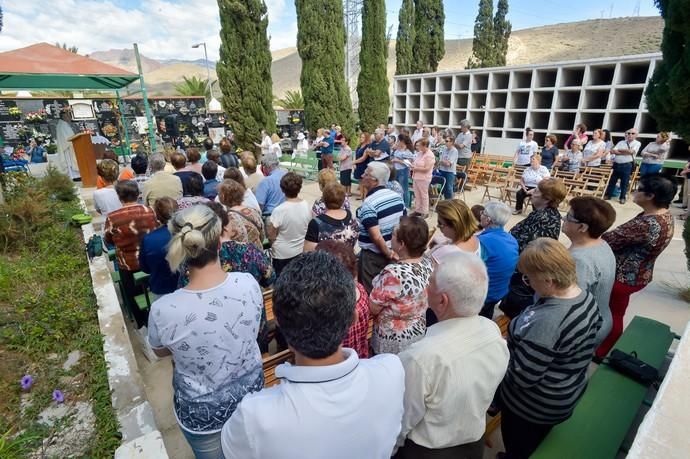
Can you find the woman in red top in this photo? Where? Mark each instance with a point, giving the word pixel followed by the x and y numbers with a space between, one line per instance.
pixel 636 245
pixel 422 169
pixel 356 337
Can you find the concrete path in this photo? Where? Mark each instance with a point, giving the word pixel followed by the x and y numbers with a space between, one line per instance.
pixel 658 301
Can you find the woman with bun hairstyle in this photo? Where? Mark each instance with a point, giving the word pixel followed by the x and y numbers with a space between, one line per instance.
pixel 210 329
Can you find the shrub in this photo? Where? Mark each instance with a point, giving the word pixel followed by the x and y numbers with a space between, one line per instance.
pixel 57 184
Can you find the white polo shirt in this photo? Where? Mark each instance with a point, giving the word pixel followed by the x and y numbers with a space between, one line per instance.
pixel 349 410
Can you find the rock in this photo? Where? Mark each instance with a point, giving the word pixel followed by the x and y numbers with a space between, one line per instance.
pixel 72 360
pixel 73 439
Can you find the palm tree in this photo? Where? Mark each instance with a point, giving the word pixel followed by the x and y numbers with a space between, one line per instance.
pixel 291 101
pixel 193 86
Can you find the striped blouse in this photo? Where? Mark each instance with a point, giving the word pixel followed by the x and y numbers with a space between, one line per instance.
pixel 551 345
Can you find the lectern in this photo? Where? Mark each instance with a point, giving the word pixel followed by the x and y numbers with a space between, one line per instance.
pixel 86 158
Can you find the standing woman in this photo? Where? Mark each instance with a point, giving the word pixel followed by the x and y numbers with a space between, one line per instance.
pixel 550 151
pixel 422 168
pixel 402 157
pixel 585 222
pixel 398 299
pixel 447 166
pixel 636 245
pixel 595 149
pixel 210 329
pixel 361 161
pixel 579 133
pixel 526 149
pixel 654 154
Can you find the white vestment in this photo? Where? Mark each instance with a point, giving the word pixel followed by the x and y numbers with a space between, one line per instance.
pixel 66 159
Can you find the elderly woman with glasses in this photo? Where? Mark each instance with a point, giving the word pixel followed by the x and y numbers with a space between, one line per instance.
pixel 529 180
pixel 551 345
pixel 636 245
pixel 587 219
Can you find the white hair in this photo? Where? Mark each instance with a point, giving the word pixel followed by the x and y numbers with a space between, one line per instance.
pixel 380 172
pixel 463 278
pixel 498 212
pixel 465 123
pixel 157 162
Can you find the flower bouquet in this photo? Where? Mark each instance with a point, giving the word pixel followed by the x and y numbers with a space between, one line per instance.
pixel 18 153
pixel 36 117
pixel 15 111
pixel 109 130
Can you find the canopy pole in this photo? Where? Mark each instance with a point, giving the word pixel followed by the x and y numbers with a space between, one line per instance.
pixel 123 122
pixel 152 132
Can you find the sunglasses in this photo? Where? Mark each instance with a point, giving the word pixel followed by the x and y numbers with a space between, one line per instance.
pixel 570 218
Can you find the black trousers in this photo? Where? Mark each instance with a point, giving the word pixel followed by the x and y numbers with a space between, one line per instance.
pixel 130 290
pixel 411 450
pixel 521 437
pixel 520 197
pixel 279 265
pixel 488 309
pixel 369 266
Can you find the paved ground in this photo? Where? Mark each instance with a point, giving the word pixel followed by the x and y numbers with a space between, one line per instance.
pixel 658 301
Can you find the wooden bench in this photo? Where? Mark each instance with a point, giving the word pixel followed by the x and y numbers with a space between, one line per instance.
pixel 608 408
pixel 271 362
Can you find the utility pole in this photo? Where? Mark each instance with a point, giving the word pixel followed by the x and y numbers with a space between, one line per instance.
pixel 353 22
pixel 147 109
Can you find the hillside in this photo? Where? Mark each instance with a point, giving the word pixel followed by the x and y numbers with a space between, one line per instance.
pixel 552 43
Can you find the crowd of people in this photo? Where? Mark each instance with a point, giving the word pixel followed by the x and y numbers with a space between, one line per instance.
pixel 212 233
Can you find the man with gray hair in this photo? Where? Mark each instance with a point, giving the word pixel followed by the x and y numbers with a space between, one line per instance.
pixel 379 149
pixel 161 184
pixel 463 142
pixel 378 216
pixel 500 253
pixel 451 375
pixel 268 192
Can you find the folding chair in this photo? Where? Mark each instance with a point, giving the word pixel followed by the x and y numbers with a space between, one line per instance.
pixel 436 191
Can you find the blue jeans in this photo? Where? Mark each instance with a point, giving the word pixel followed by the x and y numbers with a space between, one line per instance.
pixel 649 169
pixel 620 172
pixel 449 185
pixel 204 446
pixel 402 176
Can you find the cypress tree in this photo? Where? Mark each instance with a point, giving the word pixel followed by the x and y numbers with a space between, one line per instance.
pixel 405 40
pixel 372 84
pixel 244 69
pixel 429 44
pixel 483 43
pixel 502 29
pixel 321 46
pixel 668 92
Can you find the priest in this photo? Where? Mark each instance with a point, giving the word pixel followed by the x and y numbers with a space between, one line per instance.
pixel 66 160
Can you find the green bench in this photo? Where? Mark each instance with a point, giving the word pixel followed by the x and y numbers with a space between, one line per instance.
pixel 606 411
pixel 308 167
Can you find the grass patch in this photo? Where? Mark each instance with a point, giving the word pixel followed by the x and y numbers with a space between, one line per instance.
pixel 47 309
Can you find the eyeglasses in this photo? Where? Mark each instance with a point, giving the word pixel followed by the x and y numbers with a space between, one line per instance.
pixel 630 133
pixel 570 218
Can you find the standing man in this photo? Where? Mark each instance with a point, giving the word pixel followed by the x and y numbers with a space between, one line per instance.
pixel 451 375
pixel 625 152
pixel 464 144
pixel 66 159
pixel 379 149
pixel 378 216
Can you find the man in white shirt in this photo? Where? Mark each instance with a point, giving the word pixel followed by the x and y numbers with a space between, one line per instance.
pixel 625 152
pixel 451 375
pixel 463 142
pixel 329 404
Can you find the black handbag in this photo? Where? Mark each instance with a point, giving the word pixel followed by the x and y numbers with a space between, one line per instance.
pixel 632 367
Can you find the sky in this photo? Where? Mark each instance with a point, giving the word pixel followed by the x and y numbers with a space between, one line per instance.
pixel 166 29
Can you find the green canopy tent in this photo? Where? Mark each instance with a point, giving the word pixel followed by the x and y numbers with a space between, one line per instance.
pixel 48 67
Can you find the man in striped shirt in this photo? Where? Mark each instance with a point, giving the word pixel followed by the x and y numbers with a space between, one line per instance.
pixel 551 344
pixel 378 216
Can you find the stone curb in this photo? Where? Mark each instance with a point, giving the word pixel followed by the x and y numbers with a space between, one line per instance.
pixel 140 435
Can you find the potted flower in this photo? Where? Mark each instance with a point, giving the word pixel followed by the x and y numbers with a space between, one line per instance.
pixel 36 117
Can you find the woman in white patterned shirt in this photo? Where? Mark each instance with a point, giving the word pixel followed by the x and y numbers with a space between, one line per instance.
pixel 529 181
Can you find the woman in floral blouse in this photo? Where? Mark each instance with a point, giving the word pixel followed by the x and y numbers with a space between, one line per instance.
pixel 545 220
pixel 245 224
pixel 636 245
pixel 399 293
